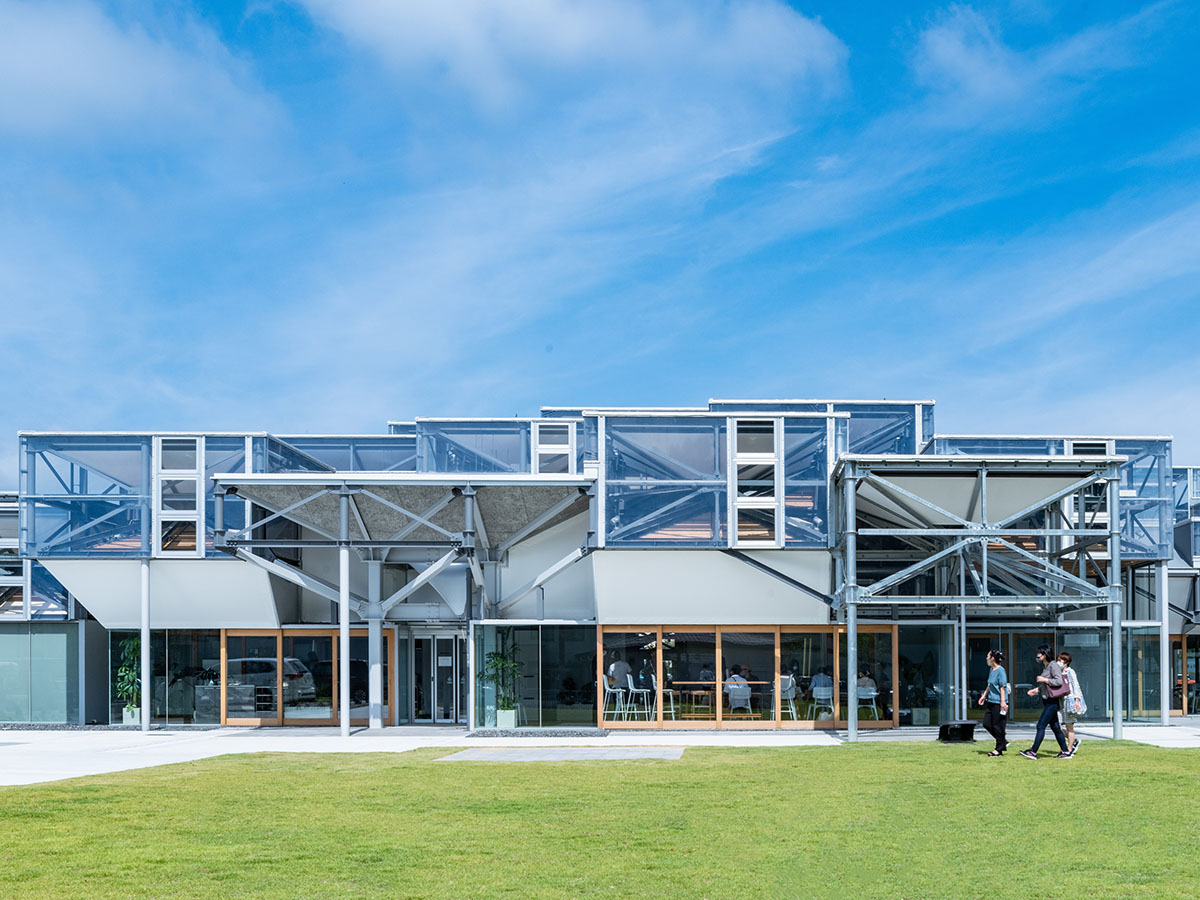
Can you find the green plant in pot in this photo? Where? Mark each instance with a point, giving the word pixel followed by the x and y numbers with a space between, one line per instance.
pixel 128 686
pixel 501 669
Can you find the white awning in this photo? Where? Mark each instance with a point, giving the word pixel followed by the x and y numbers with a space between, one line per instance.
pixel 702 587
pixel 184 593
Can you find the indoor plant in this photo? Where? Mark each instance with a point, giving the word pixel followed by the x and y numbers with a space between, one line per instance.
pixel 501 669
pixel 128 685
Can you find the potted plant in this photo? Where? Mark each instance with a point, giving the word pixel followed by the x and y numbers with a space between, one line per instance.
pixel 501 669
pixel 128 685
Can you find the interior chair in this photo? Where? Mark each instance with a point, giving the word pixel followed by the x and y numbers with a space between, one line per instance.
pixel 668 697
pixel 640 700
pixel 739 697
pixel 822 698
pixel 614 702
pixel 866 700
pixel 787 696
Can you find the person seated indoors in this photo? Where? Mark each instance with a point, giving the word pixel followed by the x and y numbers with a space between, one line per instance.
pixel 865 680
pixel 735 677
pixel 707 672
pixel 823 679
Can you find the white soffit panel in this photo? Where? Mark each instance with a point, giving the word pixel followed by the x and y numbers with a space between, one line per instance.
pixel 184 593
pixel 1006 494
pixel 708 587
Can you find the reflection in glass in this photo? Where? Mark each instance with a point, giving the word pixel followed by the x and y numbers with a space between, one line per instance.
pixel 630 664
pixel 568 675
pixel 251 690
pixel 871 686
pixel 927 674
pixel 179 537
pixel 1143 685
pixel 308 677
pixel 806 659
pixel 748 678
pixel 689 671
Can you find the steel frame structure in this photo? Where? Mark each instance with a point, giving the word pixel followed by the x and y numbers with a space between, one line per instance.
pixel 976 558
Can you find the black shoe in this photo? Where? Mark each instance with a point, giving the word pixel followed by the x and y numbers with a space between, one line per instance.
pixel 1064 754
pixel 1028 754
pixel 1074 746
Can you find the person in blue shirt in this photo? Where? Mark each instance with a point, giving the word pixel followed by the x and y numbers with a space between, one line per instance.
pixel 995 701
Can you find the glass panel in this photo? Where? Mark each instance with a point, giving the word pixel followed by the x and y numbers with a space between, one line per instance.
pixel 178 494
pixel 463 676
pixel 978 647
pixel 568 675
pixel 507 676
pixel 805 473
pixel 872 684
pixel 12 601
pixel 1192 674
pixel 463 446
pixel 748 683
pixel 178 454
pixel 48 597
pixel 756 525
pixel 629 671
pixel 250 676
pixel 308 677
pixel 1143 684
pixel 447 690
pixel 86 495
pixel 881 428
pixel 14 673
pixel 690 675
pixel 1177 685
pixel 666 482
pixel 402 690
pixel 423 679
pixel 1091 655
pixel 54 672
pixel 554 463
pixel 382 453
pixel 178 537
pixel 927 427
pixel 557 435
pixel 223 455
pixel 193 677
pixel 756 480
pixel 360 676
pixel 755 436
pixel 1000 446
pixel 808 659
pixel 927 674
pixel 273 455
pixel 1147 499
pixel 124 676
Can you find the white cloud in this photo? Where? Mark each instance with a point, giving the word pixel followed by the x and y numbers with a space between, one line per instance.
pixel 68 72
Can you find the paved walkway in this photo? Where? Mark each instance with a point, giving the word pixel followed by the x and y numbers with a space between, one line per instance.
pixel 29 757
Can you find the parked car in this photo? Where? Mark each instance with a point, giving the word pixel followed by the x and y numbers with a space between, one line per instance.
pixel 298 682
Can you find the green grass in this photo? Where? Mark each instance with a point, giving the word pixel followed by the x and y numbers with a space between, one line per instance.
pixel 903 820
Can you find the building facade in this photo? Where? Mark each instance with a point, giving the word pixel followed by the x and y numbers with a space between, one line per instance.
pixel 746 564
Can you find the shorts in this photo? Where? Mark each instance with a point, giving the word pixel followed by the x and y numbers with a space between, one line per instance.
pixel 1065 717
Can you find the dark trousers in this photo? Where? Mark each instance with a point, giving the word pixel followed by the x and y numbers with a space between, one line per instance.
pixel 995 722
pixel 1049 717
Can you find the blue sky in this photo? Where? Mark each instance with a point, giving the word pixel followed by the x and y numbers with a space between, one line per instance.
pixel 319 215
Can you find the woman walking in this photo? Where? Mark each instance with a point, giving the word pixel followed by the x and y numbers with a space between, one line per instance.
pixel 1050 680
pixel 1073 707
pixel 995 701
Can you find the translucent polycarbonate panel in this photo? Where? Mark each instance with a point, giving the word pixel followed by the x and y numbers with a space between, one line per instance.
pixel 754 437
pixel 47 597
pixel 881 428
pixel 666 481
pixel 999 446
pixel 178 454
pixel 85 465
pixel 554 435
pixel 223 455
pixel 589 446
pixel 1147 499
pixel 1181 479
pixel 554 463
pixel 734 406
pixel 465 446
pixel 12 601
pixel 756 480
pixel 806 482
pixel 273 455
pixel 92 527
pixel 384 453
pixel 755 526
pixel 177 494
pixel 927 424
pixel 9 521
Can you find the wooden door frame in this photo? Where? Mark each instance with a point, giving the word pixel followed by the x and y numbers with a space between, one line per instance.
pixel 831 632
pixel 275 633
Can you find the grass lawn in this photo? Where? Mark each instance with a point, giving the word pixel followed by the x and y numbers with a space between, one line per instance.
pixel 902 820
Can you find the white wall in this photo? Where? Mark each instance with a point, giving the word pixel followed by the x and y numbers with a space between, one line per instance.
pixel 570 594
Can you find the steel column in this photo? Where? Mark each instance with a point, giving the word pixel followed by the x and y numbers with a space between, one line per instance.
pixel 146 674
pixel 375 642
pixel 851 600
pixel 1164 642
pixel 344 613
pixel 1116 604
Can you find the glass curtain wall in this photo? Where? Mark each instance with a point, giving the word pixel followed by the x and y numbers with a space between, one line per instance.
pixel 871 686
pixel 926 695
pixel 185 686
pixel 546 674
pixel 689 675
pixel 748 672
pixel 1143 681
pixel 807 660
pixel 630 666
pixel 39 672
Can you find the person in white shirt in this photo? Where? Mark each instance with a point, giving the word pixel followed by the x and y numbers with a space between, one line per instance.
pixel 618 672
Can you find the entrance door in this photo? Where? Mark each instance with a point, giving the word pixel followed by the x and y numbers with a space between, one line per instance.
pixel 439 676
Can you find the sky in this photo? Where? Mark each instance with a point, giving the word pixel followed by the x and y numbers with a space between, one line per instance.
pixel 316 216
